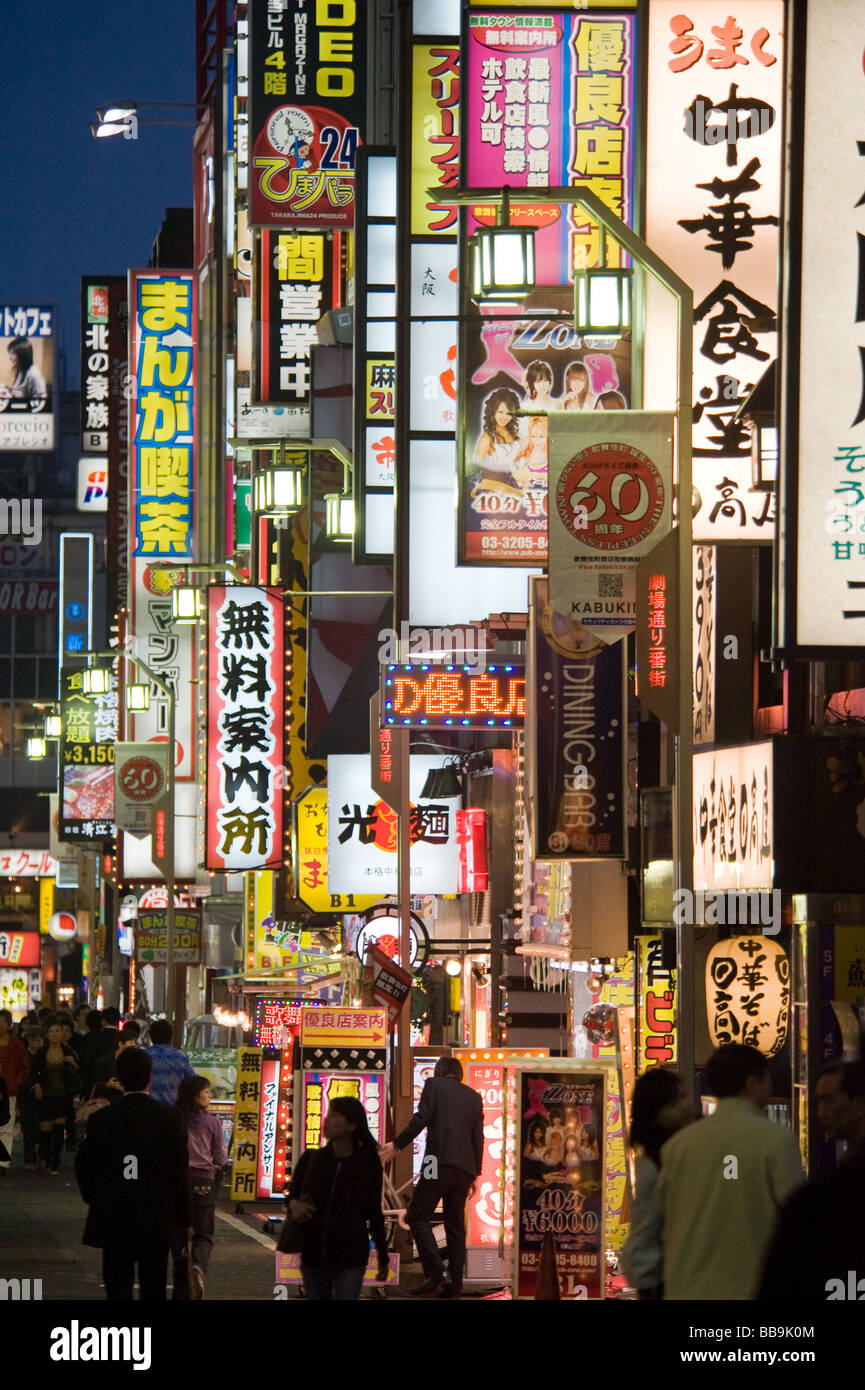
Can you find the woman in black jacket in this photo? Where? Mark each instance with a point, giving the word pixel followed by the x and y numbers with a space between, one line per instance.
pixel 336 1195
pixel 55 1077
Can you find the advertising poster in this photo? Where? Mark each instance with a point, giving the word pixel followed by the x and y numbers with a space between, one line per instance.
pixel 27 336
pixel 320 1088
pixel 656 1006
pixel 307 101
pixel 362 831
pixel 163 412
pixel 577 747
pixel 713 206
pixel 245 724
pixel 517 376
pixel 247 1104
pixel 140 785
pixel 560 1179
pixel 293 286
pixel 610 504
pixel 87 759
pixel 548 103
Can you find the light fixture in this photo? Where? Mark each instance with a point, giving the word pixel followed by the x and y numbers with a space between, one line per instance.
pixel 453 967
pixel 116 113
pixel 279 489
pixel 128 128
pixel 602 297
pixel 339 523
pixel 186 604
pixel 442 782
pixel 36 747
pixel 53 726
pixel 502 259
pixel 764 457
pixel 138 696
pixel 96 680
pixel 757 414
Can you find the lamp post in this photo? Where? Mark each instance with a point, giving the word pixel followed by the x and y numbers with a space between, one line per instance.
pixel 683 296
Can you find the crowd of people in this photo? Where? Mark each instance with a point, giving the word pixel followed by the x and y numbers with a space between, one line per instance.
pixel 84 1082
pixel 721 1207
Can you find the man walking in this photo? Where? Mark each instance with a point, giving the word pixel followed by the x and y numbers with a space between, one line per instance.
pixel 133 1172
pixel 722 1183
pixel 14 1070
pixel 453 1116
pixel 105 1069
pixel 170 1065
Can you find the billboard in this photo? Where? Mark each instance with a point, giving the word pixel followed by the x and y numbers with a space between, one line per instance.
pixel 549 102
pixel 97 351
pixel 307 102
pixel 610 503
pixel 245 728
pixel 293 287
pixel 27 410
pixel 163 412
pixel 577 738
pixel 453 697
pixel 713 204
pixel 90 726
pixel 733 791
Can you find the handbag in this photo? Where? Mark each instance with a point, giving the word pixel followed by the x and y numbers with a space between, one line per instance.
pixel 183 1288
pixel 290 1238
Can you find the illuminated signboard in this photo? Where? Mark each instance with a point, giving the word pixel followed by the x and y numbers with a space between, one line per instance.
pixel 307 99
pixel 151 937
pixel 320 1088
pixel 163 311
pixel 277 1022
pixel 247 1102
pixel 19 948
pixel 87 758
pixel 448 697
pixel 245 728
pixel 26 377
pixel 293 287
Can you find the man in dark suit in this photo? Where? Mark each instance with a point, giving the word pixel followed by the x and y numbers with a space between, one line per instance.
pixel 105 1069
pixel 133 1172
pixel 453 1116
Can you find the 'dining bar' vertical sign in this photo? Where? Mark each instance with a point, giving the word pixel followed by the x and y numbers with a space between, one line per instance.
pixel 244 728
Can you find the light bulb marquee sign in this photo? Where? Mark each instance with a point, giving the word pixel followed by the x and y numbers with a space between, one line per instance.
pixel 453 697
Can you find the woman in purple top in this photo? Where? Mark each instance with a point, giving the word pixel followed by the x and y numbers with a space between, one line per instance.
pixel 207 1154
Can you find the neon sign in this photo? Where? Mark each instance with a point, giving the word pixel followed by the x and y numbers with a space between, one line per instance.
pixel 454 697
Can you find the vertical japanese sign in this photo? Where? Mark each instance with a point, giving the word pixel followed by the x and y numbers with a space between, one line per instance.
pixel 267 1132
pixel 169 649
pixel 704 604
pixel 95 364
pixel 656 1006
pixel 164 326
pixel 293 288
pixel 245 727
pixel 375 358
pixel 87 759
pixel 610 504
pixel 824 429
pixel 657 583
pixel 27 336
pixel 76 597
pixel 247 1103
pixel 713 201
pixel 549 102
pixel 734 845
pixel 577 726
pixel 307 100
pixel 561 1179
pixel 435 136
pixel 117 549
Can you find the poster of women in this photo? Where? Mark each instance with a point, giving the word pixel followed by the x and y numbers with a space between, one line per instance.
pixel 560 1179
pixel 519 372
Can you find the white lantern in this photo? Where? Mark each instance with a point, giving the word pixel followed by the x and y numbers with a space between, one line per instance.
pixel 748 993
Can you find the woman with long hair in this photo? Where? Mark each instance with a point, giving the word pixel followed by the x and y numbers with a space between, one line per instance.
pixel 659 1107
pixel 499 442
pixel 207 1154
pixel 28 383
pixel 55 1074
pixel 336 1196
pixel 577 395
pixel 539 386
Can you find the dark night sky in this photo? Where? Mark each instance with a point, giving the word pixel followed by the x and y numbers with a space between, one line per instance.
pixel 73 205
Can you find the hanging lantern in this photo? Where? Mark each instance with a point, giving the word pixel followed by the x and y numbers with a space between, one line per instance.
pixel 748 993
pixel 185 604
pixel 339 512
pixel 502 259
pixel 280 490
pixel 62 926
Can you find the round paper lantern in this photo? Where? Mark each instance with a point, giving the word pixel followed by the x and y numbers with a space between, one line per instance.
pixel 748 993
pixel 62 926
pixel 600 1023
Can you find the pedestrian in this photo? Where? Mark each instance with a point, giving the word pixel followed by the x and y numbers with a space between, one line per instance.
pixel 14 1069
pixel 722 1183
pixel 170 1065
pixel 819 1240
pixel 55 1073
pixel 105 1068
pixel 28 1105
pixel 659 1107
pixel 5 1113
pixel 133 1173
pixel 109 1034
pixel 207 1155
pixel 453 1116
pixel 335 1195
pixel 67 1033
pixel 87 1050
pixel 840 1105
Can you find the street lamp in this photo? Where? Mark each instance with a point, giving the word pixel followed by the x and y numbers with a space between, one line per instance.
pixel 123 118
pixel 186 604
pixel 280 487
pixel 96 680
pixel 36 747
pixel 53 726
pixel 137 697
pixel 339 510
pixel 502 259
pixel 602 297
